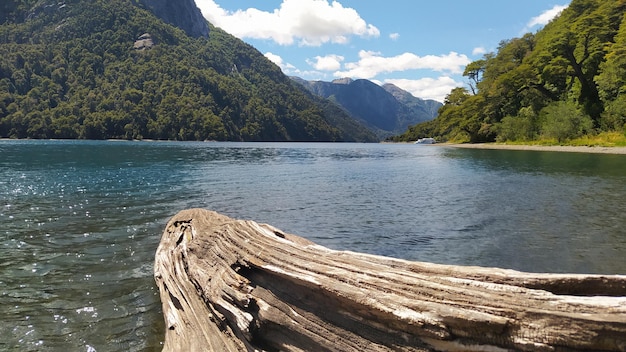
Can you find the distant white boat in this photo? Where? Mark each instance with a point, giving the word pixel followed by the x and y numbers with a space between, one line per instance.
pixel 426 141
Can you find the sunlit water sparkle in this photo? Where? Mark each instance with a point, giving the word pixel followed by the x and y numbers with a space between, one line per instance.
pixel 81 220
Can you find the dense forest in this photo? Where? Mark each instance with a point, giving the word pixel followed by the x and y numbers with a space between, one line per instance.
pixel 565 81
pixel 78 69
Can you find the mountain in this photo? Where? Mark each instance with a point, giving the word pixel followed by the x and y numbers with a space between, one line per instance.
pixel 427 107
pixel 566 81
pixel 183 14
pixel 386 110
pixel 96 69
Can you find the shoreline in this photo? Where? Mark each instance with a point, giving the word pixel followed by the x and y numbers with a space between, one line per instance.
pixel 541 148
pixel 488 146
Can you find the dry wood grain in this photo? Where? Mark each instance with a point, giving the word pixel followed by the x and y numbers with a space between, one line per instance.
pixel 234 285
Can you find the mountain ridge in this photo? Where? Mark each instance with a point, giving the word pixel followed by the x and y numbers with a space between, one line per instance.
pixel 385 109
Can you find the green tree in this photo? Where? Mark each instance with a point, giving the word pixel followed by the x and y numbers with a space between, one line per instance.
pixel 523 127
pixel 612 82
pixel 474 72
pixel 563 120
pixel 577 60
pixel 580 40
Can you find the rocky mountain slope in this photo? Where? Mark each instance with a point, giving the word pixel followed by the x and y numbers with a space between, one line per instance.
pixel 427 107
pixel 183 14
pixel 387 110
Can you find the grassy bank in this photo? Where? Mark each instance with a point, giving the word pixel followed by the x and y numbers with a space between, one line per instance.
pixel 604 139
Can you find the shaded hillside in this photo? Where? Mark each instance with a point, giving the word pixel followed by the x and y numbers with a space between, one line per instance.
pixel 350 129
pixel 386 110
pixel 421 106
pixel 563 82
pixel 99 69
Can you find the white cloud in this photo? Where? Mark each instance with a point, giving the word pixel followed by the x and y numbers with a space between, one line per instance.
pixel 371 64
pixel 545 17
pixel 311 75
pixel 279 62
pixel 479 51
pixel 309 22
pixel 427 88
pixel 327 63
pixel 286 67
pixel 394 36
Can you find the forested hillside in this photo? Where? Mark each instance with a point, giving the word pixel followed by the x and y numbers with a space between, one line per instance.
pixel 78 69
pixel 565 81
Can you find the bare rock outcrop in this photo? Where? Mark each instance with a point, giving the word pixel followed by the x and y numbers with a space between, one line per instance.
pixel 144 42
pixel 234 285
pixel 183 14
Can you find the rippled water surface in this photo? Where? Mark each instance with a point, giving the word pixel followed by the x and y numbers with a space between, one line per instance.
pixel 80 221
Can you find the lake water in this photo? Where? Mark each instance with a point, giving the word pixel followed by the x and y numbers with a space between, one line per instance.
pixel 80 221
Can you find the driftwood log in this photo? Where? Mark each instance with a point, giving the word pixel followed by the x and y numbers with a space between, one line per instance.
pixel 233 285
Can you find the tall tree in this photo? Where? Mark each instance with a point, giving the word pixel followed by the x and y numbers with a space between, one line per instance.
pixel 580 40
pixel 612 81
pixel 474 72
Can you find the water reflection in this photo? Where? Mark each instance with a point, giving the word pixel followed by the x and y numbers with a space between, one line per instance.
pixel 583 164
pixel 551 212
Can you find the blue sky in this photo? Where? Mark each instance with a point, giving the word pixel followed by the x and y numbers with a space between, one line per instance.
pixel 420 46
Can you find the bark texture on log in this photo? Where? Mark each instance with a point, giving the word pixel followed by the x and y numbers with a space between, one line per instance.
pixel 234 285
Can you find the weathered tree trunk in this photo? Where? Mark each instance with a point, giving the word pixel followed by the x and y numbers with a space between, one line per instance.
pixel 233 285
